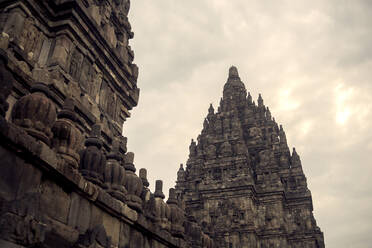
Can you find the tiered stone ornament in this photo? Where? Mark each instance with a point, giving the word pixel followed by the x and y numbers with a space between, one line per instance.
pixel 36 113
pixel 177 215
pixel 67 138
pixel 115 174
pixel 241 183
pixel 145 195
pixel 92 159
pixel 133 183
pixel 161 208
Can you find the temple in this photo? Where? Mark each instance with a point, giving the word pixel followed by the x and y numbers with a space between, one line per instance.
pixel 242 183
pixel 67 179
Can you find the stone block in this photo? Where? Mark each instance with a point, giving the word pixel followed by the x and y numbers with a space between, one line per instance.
pixel 11 170
pixel 124 235
pixel 112 226
pixel 129 213
pixel 96 217
pixel 54 201
pixel 60 54
pixel 79 213
pixel 136 238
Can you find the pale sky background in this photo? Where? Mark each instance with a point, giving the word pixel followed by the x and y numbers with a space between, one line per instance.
pixel 312 62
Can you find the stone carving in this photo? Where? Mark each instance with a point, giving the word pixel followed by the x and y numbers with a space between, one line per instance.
pixel 25 230
pixel 89 54
pixel 133 183
pixel 95 237
pixel 241 149
pixel 192 149
pixel 115 174
pixel 75 64
pixel 181 174
pixel 225 149
pixel 162 210
pixel 218 125
pixel 36 113
pixel 86 76
pixel 6 83
pixel 211 151
pixel 92 160
pixel 108 99
pixel 256 135
pixel 176 216
pixel 29 39
pixel 242 188
pixel 145 195
pixel 66 137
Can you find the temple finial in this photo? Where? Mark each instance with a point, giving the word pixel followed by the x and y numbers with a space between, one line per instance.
pixel 211 109
pixel 233 72
pixel 260 100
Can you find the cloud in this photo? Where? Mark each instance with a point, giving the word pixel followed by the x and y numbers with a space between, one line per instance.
pixel 311 60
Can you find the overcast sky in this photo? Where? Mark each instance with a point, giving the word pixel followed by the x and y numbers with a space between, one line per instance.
pixel 312 62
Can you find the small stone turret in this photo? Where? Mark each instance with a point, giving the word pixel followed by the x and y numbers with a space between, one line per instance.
pixel 159 189
pixel 192 149
pixel 162 209
pixel 143 176
pixel 92 159
pixel 133 183
pixel 145 195
pixel 115 174
pixel 260 101
pixel 67 138
pixel 181 174
pixel 177 215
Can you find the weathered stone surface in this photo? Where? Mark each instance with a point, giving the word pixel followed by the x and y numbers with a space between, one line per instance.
pixel 92 159
pixel 241 184
pixel 241 188
pixel 79 213
pixel 54 201
pixel 36 113
pixel 112 226
pixel 67 138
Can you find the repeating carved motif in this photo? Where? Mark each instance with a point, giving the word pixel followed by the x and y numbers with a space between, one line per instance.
pixel 92 160
pixel 133 183
pixel 36 113
pixel 115 174
pixel 253 183
pixel 67 138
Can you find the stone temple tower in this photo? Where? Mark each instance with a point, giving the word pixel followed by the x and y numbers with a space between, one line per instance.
pixel 242 183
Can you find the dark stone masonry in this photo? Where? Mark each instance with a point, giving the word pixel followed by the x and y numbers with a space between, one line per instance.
pixel 67 84
pixel 242 183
